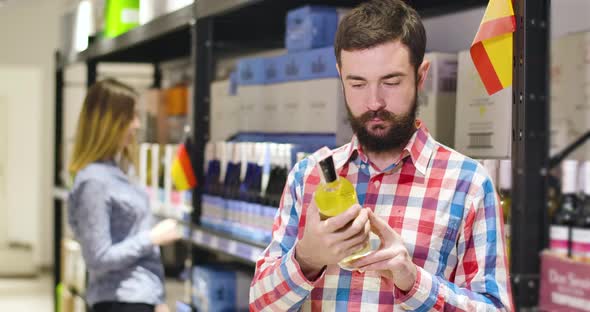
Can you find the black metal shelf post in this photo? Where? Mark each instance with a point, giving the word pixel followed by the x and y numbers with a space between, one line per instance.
pixel 91 74
pixel 57 169
pixel 202 55
pixel 530 147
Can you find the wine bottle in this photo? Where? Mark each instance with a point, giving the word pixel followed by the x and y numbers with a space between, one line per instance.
pixel 581 230
pixel 333 197
pixel 564 218
pixel 505 181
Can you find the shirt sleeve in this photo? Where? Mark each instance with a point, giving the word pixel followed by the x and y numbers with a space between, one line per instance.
pixel 90 214
pixel 279 283
pixel 481 280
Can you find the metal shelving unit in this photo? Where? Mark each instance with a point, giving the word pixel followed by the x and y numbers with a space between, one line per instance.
pixel 209 28
pixel 530 148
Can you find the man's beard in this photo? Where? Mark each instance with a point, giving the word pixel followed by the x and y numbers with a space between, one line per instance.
pixel 401 128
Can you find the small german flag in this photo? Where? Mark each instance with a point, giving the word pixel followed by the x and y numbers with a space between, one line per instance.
pixel 183 175
pixel 491 50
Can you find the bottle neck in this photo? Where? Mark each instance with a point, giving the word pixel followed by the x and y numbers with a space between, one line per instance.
pixel 568 183
pixel 569 202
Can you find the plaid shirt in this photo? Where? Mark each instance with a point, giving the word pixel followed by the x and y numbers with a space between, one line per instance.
pixel 444 206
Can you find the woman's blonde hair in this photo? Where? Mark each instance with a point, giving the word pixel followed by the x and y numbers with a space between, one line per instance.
pixel 108 110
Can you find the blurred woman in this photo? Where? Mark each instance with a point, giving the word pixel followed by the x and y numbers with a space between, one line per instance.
pixel 109 214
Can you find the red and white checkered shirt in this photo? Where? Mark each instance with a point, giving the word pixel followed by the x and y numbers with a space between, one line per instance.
pixel 444 206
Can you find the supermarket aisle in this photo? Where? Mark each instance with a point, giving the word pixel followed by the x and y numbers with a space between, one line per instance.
pixel 35 294
pixel 26 294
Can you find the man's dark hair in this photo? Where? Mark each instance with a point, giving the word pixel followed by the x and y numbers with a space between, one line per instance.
pixel 377 22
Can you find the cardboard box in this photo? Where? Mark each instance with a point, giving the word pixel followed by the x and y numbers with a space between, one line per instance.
pixel 251 71
pixel 483 123
pixel 565 284
pixel 243 281
pixel 323 105
pixel 275 121
pixel 310 27
pixel 252 95
pixel 291 67
pixel 438 100
pixel 272 72
pixel 570 88
pixel 252 99
pixel 214 289
pixel 224 112
pixel 290 105
pixel 319 64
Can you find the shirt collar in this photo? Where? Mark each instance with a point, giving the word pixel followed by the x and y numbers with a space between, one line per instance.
pixel 420 148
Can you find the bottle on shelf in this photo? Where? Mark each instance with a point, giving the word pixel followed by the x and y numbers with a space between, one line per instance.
pixel 333 197
pixel 565 216
pixel 212 172
pixel 277 177
pixel 233 172
pixel 505 187
pixel 581 230
pixel 250 187
pixel 553 195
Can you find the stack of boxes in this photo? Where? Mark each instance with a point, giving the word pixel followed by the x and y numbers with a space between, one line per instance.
pixel 294 93
pixel 570 91
pixel 437 101
pixel 297 92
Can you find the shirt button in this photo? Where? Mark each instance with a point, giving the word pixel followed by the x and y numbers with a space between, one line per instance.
pixel 377 183
pixel 363 166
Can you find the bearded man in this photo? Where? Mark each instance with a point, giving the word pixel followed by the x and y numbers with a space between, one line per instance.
pixel 432 213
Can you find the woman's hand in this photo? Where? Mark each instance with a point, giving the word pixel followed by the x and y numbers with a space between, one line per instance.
pixel 162 308
pixel 165 232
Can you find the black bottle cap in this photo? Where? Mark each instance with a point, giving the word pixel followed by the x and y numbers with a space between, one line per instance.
pixel 328 169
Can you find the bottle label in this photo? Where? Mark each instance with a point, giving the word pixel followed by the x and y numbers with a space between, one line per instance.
pixel 581 244
pixel 559 237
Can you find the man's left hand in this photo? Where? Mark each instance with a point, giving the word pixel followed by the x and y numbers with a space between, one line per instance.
pixel 392 259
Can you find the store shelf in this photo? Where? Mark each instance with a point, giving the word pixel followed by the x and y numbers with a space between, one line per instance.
pixel 162 216
pixel 206 8
pixel 241 249
pixel 166 37
pixel 239 23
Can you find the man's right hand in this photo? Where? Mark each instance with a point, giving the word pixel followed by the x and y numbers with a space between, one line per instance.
pixel 328 242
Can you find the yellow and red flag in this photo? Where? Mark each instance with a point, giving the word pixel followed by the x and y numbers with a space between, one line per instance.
pixel 183 175
pixel 491 50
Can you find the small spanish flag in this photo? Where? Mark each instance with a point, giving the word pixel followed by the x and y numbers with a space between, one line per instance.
pixel 491 50
pixel 183 175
